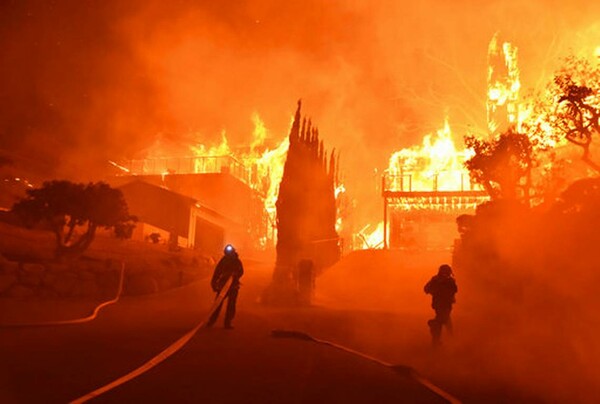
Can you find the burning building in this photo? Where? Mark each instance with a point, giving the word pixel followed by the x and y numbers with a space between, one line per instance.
pixel 221 185
pixel 237 186
pixel 424 189
pixel 179 219
pixel 504 85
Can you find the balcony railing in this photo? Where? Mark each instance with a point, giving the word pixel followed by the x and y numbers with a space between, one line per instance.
pixel 190 165
pixel 408 181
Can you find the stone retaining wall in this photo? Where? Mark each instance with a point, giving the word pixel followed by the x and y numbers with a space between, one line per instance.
pixel 96 278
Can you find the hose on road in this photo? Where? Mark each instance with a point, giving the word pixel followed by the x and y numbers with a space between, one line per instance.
pixel 166 353
pixel 406 371
pixel 86 319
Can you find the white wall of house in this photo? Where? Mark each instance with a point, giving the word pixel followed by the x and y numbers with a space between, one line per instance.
pixel 142 232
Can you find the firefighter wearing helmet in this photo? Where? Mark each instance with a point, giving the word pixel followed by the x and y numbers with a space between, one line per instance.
pixel 229 266
pixel 442 288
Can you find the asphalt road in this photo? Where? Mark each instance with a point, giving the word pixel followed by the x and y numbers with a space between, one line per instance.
pixel 59 364
pixel 244 365
pixel 222 366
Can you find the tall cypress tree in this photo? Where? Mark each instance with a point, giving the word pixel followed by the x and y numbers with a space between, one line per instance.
pixel 306 210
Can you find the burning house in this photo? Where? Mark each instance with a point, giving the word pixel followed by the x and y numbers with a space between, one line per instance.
pixel 204 198
pixel 179 219
pixel 424 189
pixel 238 184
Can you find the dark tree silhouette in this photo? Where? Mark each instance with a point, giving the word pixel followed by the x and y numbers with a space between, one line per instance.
pixel 568 109
pixel 306 208
pixel 582 196
pixel 577 118
pixel 73 212
pixel 502 165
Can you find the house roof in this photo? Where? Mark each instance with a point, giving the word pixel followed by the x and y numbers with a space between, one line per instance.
pixel 166 209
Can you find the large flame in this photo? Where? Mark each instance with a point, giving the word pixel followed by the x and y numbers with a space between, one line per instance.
pixel 259 166
pixel 222 149
pixel 270 167
pixel 262 166
pixel 435 165
pixel 370 237
pixel 503 85
pixel 438 165
pixel 259 134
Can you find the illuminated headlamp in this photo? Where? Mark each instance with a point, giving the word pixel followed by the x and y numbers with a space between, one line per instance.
pixel 229 249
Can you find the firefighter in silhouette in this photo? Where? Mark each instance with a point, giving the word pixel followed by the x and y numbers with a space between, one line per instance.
pixel 442 288
pixel 229 266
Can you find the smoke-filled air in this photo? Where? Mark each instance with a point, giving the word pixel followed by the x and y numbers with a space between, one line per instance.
pixel 414 181
pixel 84 83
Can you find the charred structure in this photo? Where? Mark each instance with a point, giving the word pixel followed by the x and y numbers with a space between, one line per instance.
pixel 424 188
pixel 423 219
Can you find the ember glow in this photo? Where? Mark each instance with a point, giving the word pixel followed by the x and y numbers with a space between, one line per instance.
pixel 269 163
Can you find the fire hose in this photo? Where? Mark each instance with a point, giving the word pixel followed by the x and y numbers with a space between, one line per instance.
pixel 86 319
pixel 166 353
pixel 406 371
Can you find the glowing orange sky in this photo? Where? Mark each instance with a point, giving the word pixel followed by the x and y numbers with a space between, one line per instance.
pixel 84 82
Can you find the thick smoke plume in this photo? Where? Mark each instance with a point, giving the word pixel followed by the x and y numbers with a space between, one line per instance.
pixel 84 82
